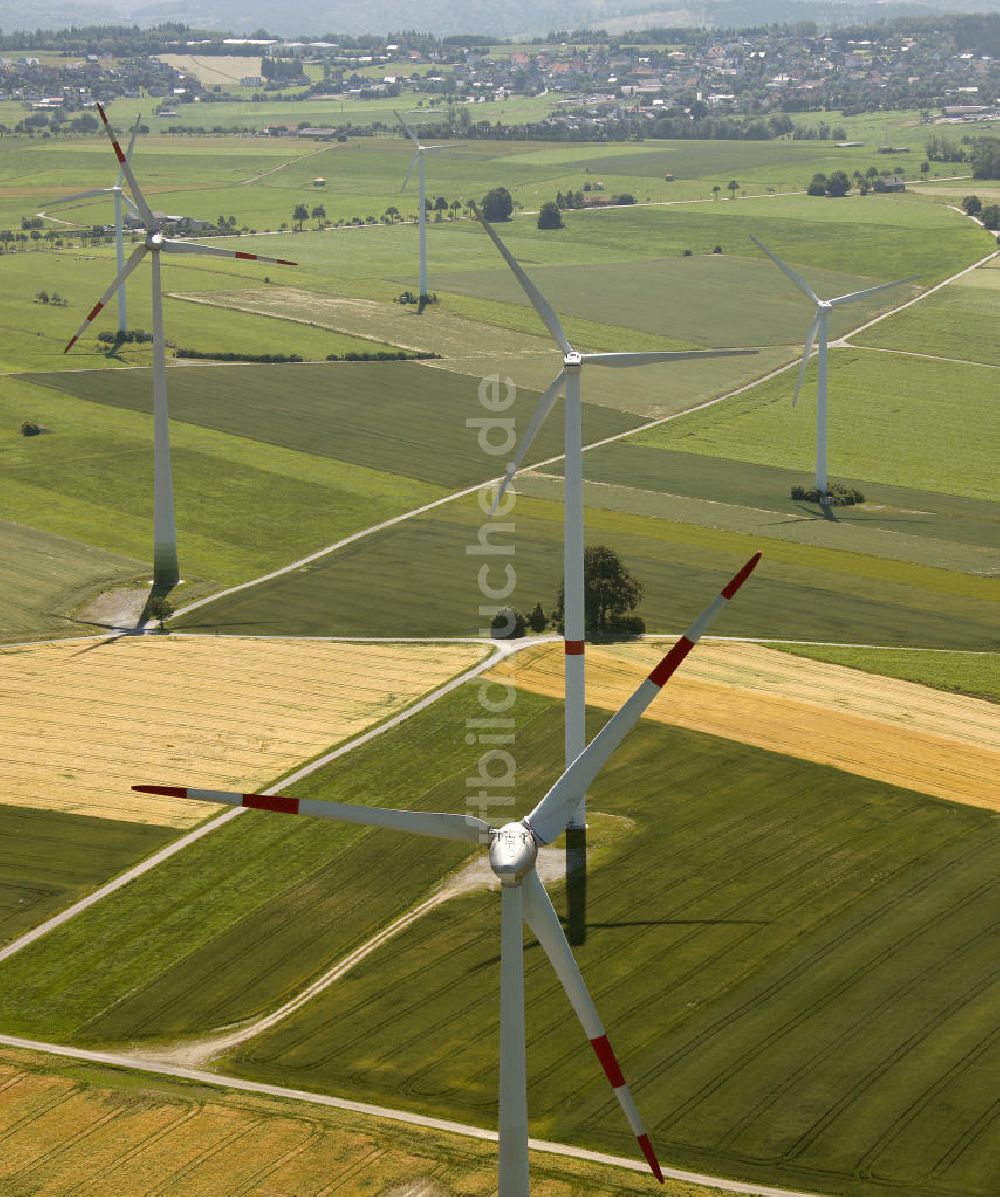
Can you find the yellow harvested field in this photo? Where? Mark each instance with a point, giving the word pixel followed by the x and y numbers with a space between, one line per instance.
pixel 899 732
pixel 68 1127
pixel 84 722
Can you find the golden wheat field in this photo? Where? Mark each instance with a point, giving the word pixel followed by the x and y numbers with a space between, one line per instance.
pixel 909 735
pixel 87 1129
pixel 84 722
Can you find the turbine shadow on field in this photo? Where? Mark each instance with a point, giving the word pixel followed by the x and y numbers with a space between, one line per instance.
pixel 680 923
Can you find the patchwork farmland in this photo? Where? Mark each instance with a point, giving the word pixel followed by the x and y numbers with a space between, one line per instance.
pixel 792 857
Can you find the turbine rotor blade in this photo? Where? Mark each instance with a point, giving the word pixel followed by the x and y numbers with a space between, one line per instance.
pixel 131 143
pixel 212 251
pixel 80 195
pixel 550 816
pixel 538 301
pixel 409 170
pixel 794 275
pixel 136 257
pixel 144 209
pixel 406 129
pixel 810 342
pixel 854 295
pixel 648 359
pixel 464 828
pixel 538 418
pixel 544 923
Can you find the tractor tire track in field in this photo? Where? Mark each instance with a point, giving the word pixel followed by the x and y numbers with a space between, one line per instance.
pixel 386 1113
pixel 502 649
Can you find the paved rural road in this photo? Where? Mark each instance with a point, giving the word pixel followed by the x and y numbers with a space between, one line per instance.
pixel 389 1114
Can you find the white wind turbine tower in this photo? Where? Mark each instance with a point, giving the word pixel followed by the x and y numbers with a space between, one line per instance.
pixel 568 382
pixel 513 850
pixel 818 333
pixel 122 198
pixel 165 569
pixel 418 161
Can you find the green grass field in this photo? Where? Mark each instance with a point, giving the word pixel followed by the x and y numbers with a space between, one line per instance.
pixel 812 1015
pixel 49 860
pixel 925 527
pixel 885 419
pixel 395 417
pixel 43 578
pixel 958 322
pixel 976 674
pixel 243 506
pixel 419 572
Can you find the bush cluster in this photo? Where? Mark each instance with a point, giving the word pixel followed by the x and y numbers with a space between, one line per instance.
pixel 399 355
pixel 266 358
pixel 837 495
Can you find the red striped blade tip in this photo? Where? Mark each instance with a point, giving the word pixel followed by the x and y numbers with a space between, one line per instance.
pixel 650 1154
pixel 70 345
pixel 670 663
pixel 285 262
pixel 165 791
pixel 737 580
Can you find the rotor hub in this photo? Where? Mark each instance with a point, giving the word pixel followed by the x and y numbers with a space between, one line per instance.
pixel 513 852
pixel 155 241
pixel 572 360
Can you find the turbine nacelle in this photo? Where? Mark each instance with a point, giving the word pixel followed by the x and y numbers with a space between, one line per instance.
pixel 155 240
pixel 572 360
pixel 513 852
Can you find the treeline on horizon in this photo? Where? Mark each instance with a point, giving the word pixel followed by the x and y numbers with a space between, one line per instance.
pixel 978 32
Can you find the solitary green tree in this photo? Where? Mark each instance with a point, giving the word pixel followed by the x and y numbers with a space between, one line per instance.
pixel 609 589
pixel 838 183
pixel 972 205
pixel 497 204
pixel 549 216
pixel 733 187
pixel 537 620
pixel 300 214
pixel 319 214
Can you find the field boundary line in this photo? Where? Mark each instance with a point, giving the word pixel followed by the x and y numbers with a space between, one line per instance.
pixel 362 533
pixel 503 649
pixel 387 1113
pixel 930 357
pixel 845 340
pixel 842 342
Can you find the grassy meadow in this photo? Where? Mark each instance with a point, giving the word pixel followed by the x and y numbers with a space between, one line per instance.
pixel 885 418
pixel 45 577
pixel 420 571
pixel 49 859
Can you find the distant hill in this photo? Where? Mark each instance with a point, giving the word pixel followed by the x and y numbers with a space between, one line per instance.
pixel 513 18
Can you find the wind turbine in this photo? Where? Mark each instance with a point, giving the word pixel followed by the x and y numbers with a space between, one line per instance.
pixel 418 161
pixel 513 850
pixel 818 332
pixel 121 197
pixel 166 573
pixel 568 382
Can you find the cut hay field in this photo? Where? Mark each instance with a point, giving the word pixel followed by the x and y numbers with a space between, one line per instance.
pixel 49 859
pixel 810 1015
pixel 134 1131
pixel 44 578
pixel 802 592
pixel 886 729
pixel 975 674
pixel 394 417
pixel 959 321
pixel 886 415
pixel 191 711
pixel 244 506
